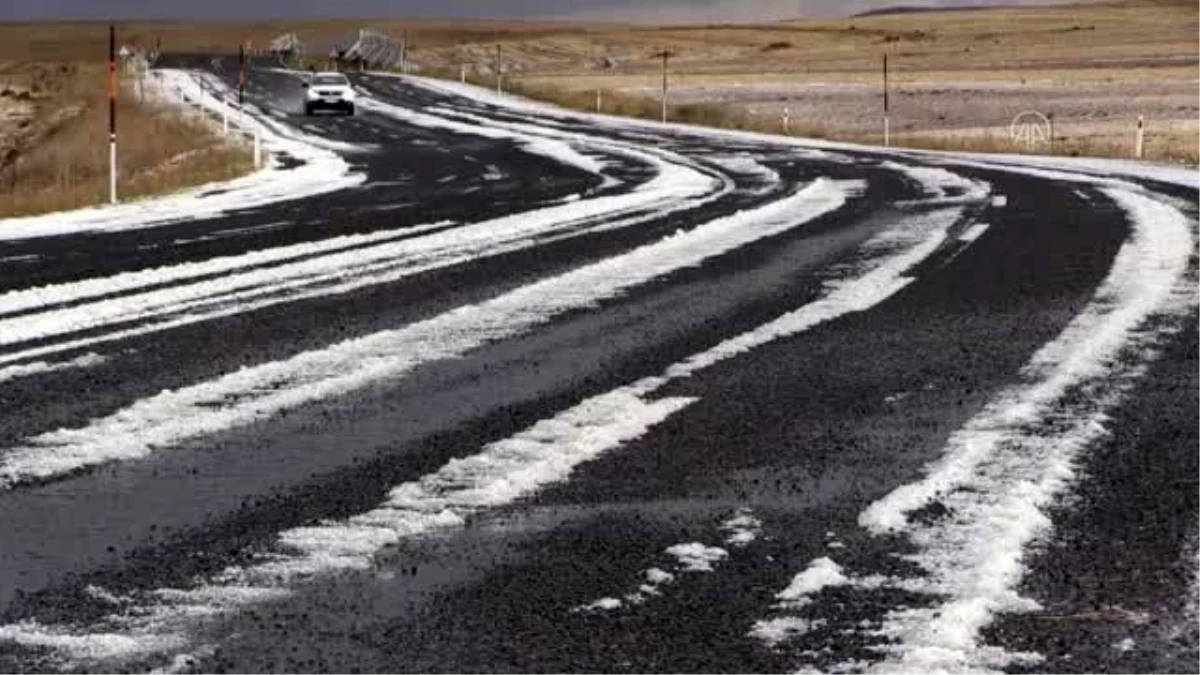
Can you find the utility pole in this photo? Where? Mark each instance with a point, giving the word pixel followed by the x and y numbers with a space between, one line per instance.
pixel 499 77
pixel 887 122
pixel 112 114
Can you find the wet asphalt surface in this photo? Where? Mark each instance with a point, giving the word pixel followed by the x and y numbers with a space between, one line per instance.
pixel 805 432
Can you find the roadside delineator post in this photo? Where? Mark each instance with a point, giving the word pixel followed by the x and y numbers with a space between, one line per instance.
pixel 599 101
pixel 404 54
pixel 499 76
pixel 1139 148
pixel 462 73
pixel 887 121
pixel 112 114
pixel 225 116
pixel 242 74
pixel 666 55
pixel 787 121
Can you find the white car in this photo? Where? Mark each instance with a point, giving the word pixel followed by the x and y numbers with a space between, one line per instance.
pixel 328 91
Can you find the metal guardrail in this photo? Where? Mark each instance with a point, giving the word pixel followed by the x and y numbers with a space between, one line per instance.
pixel 378 49
pixel 288 49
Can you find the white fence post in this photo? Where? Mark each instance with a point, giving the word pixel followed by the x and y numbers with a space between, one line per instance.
pixel 112 170
pixel 1140 143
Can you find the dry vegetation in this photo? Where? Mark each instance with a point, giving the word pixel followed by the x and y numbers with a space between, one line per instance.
pixel 53 142
pixel 958 77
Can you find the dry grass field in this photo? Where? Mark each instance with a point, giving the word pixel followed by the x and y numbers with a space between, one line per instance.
pixel 54 140
pixel 958 78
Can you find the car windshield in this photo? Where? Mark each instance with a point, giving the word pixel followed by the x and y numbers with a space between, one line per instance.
pixel 321 80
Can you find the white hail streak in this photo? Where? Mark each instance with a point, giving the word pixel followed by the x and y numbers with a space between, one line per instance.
pixel 1010 462
pixel 37 297
pixel 502 472
pixel 937 183
pixel 820 574
pixel 346 264
pixel 42 367
pixel 696 557
pixel 749 165
pixel 655 579
pixel 538 144
pixel 322 172
pixel 974 232
pixel 743 529
pixel 256 393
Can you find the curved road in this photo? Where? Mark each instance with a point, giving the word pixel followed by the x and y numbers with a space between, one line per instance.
pixel 485 386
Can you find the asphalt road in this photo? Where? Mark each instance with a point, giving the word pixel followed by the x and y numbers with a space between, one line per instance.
pixel 546 392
